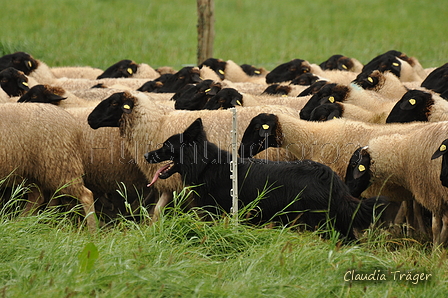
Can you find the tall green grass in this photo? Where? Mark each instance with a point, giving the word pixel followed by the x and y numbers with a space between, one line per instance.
pixel 261 32
pixel 47 255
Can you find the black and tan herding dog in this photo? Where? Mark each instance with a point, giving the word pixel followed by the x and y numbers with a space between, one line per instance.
pixel 306 190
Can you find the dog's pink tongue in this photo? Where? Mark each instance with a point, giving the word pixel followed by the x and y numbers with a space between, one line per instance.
pixel 156 175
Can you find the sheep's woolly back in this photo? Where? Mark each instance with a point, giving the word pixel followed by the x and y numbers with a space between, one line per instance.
pixel 357 66
pixel 369 100
pixel 206 73
pixel 77 72
pixel 246 87
pixel 405 160
pixel 235 73
pixel 334 76
pixel 71 100
pixel 357 113
pixel 4 97
pixel 296 103
pixel 95 94
pixel 418 68
pixel 166 69
pixel 389 85
pixel 408 73
pixel 144 71
pixel 40 142
pixel 43 74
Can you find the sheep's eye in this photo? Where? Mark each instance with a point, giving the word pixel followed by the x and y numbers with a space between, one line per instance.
pixel 442 147
pixel 395 64
pixel 4 80
pixel 412 101
pixel 344 67
pixel 361 168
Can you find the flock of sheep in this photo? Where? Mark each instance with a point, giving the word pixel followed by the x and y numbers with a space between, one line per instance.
pixel 322 112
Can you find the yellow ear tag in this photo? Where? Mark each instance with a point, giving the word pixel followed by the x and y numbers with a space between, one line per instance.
pixel 412 101
pixel 257 71
pixel 442 148
pixel 208 90
pixel 221 71
pixel 25 83
pixel 30 64
pixel 395 64
pixel 238 103
pixel 370 79
pixel 361 168
pixel 126 107
pixel 265 126
pixel 344 67
pixel 331 99
pixel 129 70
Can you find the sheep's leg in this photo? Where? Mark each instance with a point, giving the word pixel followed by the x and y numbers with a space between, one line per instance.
pixel 400 217
pixel 35 200
pixel 436 229
pixel 444 233
pixel 410 218
pixel 86 199
pixel 418 218
pixel 163 200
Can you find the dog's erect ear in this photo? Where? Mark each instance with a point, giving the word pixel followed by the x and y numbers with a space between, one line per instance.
pixel 441 150
pixel 193 132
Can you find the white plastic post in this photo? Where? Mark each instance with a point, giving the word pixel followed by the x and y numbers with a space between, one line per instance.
pixel 234 167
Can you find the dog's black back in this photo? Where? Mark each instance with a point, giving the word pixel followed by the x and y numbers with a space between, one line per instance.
pixel 305 190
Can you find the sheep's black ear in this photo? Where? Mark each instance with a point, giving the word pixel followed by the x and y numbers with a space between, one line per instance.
pixel 362 165
pixel 334 114
pixel 127 106
pixel 237 100
pixel 441 150
pixel 408 104
pixel 265 129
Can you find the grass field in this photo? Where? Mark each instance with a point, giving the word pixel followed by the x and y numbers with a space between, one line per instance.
pixel 47 255
pixel 101 32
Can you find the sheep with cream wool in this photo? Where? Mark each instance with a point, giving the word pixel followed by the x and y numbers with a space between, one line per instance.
pixel 128 68
pixel 40 143
pixel 353 94
pixel 329 111
pixel 385 84
pixel 419 105
pixel 341 62
pixel 397 163
pixel 330 142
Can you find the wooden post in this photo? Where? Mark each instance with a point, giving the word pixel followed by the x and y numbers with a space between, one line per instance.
pixel 206 29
